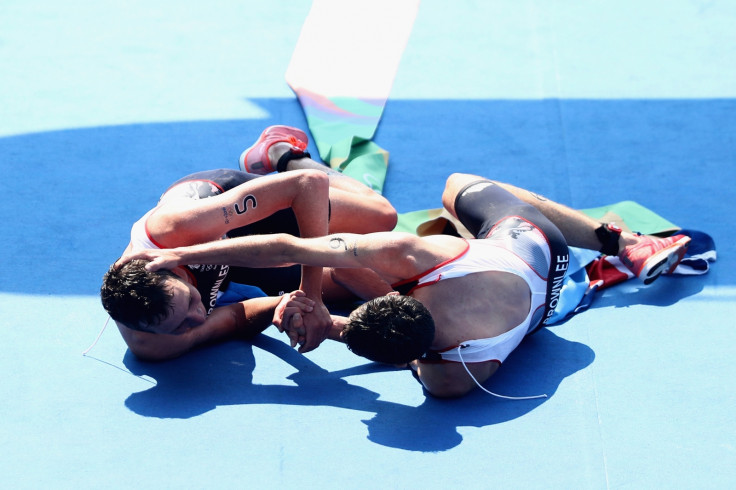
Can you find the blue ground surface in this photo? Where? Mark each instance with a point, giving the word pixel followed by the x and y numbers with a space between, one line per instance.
pixel 103 105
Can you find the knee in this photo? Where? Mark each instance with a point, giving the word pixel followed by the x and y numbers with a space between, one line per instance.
pixel 367 212
pixel 383 215
pixel 453 184
pixel 457 181
pixel 451 181
pixel 388 217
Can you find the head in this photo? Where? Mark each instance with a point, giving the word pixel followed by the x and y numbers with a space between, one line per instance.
pixel 158 302
pixel 392 329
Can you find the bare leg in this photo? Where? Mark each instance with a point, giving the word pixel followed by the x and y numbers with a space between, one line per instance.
pixel 577 228
pixel 646 257
pixel 355 208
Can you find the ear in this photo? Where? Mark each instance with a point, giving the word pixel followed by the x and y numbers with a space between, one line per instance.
pixel 181 273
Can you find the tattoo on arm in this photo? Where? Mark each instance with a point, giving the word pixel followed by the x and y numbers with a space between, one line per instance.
pixel 338 243
pixel 247 198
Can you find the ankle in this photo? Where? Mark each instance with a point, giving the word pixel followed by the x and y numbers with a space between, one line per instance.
pixel 277 150
pixel 627 240
pixel 610 239
pixel 301 164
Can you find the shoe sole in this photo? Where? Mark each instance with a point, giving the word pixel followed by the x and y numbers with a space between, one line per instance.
pixel 664 262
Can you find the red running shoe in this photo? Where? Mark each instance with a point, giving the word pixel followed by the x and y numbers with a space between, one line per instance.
pixel 256 160
pixel 653 256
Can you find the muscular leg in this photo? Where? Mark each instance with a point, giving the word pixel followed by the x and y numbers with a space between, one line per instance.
pixel 356 208
pixel 577 228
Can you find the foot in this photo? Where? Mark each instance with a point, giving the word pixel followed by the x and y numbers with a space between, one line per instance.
pixel 259 160
pixel 650 257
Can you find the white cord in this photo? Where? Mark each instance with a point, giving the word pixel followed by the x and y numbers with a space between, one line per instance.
pixel 459 347
pixel 98 336
pixel 105 362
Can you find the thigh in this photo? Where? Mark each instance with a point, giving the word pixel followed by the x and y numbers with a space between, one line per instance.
pixel 482 204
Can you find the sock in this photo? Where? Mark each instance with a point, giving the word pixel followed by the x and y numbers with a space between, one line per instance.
pixel 289 156
pixel 608 236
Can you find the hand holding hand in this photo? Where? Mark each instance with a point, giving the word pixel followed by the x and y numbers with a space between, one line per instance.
pixel 292 304
pixel 317 325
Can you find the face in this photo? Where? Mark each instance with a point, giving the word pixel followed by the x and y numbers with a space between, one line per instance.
pixel 187 309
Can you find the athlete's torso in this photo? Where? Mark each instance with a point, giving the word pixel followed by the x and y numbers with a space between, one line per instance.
pixel 492 294
pixel 206 278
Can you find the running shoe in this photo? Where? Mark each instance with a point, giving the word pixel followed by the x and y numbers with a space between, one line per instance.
pixel 653 256
pixel 256 160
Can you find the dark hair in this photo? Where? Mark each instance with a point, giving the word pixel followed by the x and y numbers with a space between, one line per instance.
pixel 390 329
pixel 136 297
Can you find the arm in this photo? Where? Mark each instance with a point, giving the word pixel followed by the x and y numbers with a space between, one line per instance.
pixel 242 320
pixel 180 222
pixel 187 222
pixel 392 256
pixel 335 333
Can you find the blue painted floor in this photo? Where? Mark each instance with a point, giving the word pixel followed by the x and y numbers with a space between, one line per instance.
pixel 103 104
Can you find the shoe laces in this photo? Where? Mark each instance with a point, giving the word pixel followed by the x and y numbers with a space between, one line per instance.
pixel 295 142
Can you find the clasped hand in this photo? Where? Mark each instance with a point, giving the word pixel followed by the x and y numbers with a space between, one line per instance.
pixel 307 322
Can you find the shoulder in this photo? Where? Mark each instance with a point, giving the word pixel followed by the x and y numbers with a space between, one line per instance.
pixel 408 242
pixel 400 256
pixel 433 249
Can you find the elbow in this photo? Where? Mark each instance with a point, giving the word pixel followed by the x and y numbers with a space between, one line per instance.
pixel 448 390
pixel 280 252
pixel 146 355
pixel 153 351
pixel 315 182
pixel 443 384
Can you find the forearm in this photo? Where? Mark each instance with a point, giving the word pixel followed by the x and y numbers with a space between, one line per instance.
pixel 242 320
pixel 311 282
pixel 275 250
pixel 338 325
pixel 310 203
pixel 311 209
pixel 345 250
pixel 155 347
pixel 249 251
pixel 257 316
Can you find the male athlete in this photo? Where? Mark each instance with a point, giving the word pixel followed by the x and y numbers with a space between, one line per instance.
pixel 454 308
pixel 165 315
